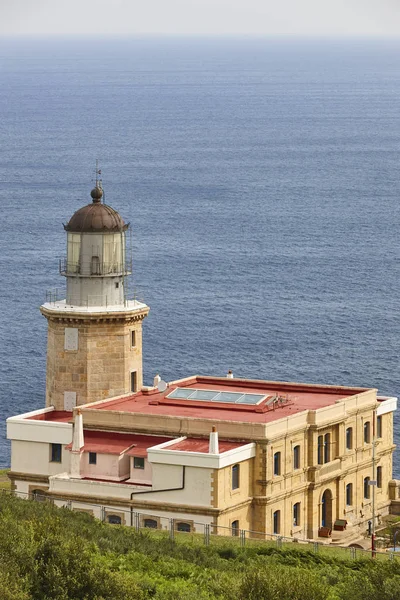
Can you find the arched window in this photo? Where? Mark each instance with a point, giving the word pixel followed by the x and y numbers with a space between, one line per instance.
pixel 296 457
pixel 183 527
pixel 114 520
pixel 367 432
pixel 235 477
pixel 320 449
pixel 379 427
pixel 235 527
pixel 277 463
pixel 296 514
pixel 349 438
pixel 349 494
pixel 151 523
pixel 327 447
pixel 367 490
pixel 379 477
pixel 277 522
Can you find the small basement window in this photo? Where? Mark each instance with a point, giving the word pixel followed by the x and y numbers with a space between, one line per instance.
pixel 92 458
pixel 138 462
pixel 114 520
pixel 151 523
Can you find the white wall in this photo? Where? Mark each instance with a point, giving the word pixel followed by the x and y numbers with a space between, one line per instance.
pixel 34 458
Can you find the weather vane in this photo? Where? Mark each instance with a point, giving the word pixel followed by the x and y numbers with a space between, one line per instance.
pixel 98 172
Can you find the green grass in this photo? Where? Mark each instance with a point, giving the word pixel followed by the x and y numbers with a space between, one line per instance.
pixel 5 483
pixel 52 553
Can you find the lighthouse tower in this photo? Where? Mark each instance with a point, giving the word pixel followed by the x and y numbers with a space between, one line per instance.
pixel 94 334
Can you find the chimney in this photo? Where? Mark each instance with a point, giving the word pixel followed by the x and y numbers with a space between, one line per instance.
pixel 213 447
pixel 230 374
pixel 156 380
pixel 77 445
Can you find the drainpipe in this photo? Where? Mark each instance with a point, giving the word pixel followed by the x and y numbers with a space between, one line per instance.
pixel 373 484
pixel 181 487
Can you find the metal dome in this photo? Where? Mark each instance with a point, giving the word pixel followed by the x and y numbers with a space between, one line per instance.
pixel 96 217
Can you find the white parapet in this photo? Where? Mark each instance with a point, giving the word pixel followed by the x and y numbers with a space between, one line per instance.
pixel 24 428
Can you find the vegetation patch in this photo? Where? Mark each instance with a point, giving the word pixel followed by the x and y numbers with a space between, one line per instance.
pixel 51 553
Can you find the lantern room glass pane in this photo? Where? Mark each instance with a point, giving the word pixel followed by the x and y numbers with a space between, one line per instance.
pixel 73 249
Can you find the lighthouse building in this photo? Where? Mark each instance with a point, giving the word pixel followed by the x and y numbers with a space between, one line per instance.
pixel 202 454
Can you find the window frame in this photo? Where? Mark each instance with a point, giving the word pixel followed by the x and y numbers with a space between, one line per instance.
pixel 235 528
pixel 296 457
pixel 379 429
pixel 133 338
pixel 139 465
pixel 367 488
pixel 296 514
pixel 235 474
pixel 276 522
pixel 349 438
pixel 327 448
pixel 349 494
pixel 320 450
pixel 56 453
pixel 367 432
pixel 134 382
pixel 277 464
pixel 92 458
pixel 379 472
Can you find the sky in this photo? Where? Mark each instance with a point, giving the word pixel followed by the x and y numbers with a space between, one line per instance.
pixel 200 17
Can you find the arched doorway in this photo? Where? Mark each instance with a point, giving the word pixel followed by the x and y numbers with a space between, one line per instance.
pixel 326 509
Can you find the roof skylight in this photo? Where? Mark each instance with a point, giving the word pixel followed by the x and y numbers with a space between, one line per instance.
pixel 215 396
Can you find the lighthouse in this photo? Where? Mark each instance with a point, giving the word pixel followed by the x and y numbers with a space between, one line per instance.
pixel 94 348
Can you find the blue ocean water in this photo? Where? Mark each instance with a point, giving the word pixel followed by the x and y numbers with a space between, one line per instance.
pixel 261 179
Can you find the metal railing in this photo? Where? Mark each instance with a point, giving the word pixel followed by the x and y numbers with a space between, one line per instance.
pixel 92 268
pixel 181 529
pixel 57 295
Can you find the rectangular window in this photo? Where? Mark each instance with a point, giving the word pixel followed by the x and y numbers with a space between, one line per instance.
pixel 92 458
pixel 138 462
pixel 349 494
pixel 55 453
pixel 367 432
pixel 277 522
pixel 277 463
pixel 235 477
pixel 133 381
pixel 133 339
pixel 327 447
pixel 320 449
pixel 296 514
pixel 349 438
pixel 379 427
pixel 367 492
pixel 296 457
pixel 379 477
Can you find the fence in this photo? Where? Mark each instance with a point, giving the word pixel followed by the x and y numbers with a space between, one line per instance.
pixel 200 533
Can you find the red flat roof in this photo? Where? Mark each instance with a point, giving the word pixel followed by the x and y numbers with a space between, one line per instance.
pixel 299 397
pixel 108 442
pixel 202 445
pixel 62 416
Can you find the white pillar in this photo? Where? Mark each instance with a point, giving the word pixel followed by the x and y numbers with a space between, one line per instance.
pixel 77 444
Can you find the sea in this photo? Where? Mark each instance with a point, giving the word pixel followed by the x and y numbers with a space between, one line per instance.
pixel 261 179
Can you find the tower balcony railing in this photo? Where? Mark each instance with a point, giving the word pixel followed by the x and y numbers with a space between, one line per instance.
pixel 59 295
pixel 94 268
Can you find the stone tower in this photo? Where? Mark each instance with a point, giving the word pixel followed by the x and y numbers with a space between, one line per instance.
pixel 95 334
